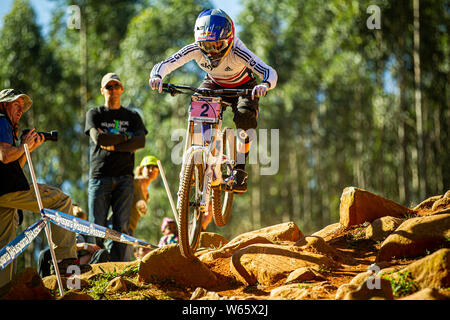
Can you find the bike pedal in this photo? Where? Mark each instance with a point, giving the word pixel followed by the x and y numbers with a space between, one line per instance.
pixel 225 187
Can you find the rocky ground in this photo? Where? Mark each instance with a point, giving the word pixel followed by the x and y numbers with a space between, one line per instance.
pixel 378 250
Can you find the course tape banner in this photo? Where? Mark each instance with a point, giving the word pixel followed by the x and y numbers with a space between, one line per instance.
pixel 18 245
pixel 81 226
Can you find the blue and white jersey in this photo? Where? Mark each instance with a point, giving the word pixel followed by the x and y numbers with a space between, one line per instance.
pixel 235 69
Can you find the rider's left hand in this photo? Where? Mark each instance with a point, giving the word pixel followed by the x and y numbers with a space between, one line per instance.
pixel 260 91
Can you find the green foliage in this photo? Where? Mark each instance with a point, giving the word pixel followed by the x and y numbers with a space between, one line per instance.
pixel 98 286
pixel 402 283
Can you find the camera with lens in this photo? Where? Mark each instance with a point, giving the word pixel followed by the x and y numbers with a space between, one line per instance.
pixel 48 136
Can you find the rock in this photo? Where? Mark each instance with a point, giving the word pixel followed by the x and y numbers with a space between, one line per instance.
pixel 358 206
pixel 360 278
pixel 427 204
pixel 441 204
pixel 287 231
pixel 368 276
pixel 27 285
pixel 381 228
pixel 316 244
pixel 414 236
pixel 251 297
pixel 231 247
pixel 281 232
pixel 447 194
pixel 303 274
pixel 428 294
pixel 267 264
pixel 289 292
pixel 344 289
pixel 74 294
pixel 203 294
pixel 74 282
pixel 168 263
pixel 301 292
pixel 369 290
pixel 212 240
pixel 328 230
pixel 432 271
pixel 118 285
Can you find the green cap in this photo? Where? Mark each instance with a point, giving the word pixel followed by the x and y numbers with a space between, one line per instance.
pixel 10 95
pixel 149 160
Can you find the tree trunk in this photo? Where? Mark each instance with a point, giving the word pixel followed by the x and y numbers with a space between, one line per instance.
pixel 84 97
pixel 418 105
pixel 404 190
pixel 295 179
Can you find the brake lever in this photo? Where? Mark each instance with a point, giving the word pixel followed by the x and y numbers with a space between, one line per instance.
pixel 173 91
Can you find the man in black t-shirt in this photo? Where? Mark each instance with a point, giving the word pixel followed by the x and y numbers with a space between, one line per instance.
pixel 115 134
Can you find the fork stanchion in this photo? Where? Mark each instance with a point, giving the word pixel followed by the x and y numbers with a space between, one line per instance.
pixel 47 229
pixel 169 194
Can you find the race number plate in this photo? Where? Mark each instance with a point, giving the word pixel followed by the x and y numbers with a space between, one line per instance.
pixel 204 109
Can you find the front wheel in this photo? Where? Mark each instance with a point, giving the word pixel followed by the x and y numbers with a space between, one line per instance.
pixel 189 214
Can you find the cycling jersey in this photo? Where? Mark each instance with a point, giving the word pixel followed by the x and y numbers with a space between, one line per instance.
pixel 237 68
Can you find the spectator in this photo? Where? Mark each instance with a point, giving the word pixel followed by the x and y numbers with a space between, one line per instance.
pixel 145 173
pixel 115 134
pixel 88 253
pixel 140 252
pixel 170 232
pixel 17 194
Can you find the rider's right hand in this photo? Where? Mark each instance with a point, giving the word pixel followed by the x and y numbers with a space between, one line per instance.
pixel 156 83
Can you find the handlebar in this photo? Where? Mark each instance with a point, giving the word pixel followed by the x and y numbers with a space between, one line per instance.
pixel 174 89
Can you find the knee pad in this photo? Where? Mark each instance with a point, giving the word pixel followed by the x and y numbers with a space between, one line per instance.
pixel 245 119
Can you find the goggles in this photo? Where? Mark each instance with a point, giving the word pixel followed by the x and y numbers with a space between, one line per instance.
pixel 213 47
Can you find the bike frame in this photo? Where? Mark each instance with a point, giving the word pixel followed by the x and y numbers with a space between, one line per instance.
pixel 205 135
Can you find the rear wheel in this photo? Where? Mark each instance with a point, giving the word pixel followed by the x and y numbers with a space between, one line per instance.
pixel 222 200
pixel 189 215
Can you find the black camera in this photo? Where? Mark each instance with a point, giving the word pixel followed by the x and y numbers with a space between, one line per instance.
pixel 48 136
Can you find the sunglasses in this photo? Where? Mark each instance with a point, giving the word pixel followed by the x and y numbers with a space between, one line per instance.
pixel 113 86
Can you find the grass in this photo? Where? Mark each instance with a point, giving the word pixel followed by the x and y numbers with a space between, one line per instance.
pixel 359 233
pixel 99 285
pixel 402 284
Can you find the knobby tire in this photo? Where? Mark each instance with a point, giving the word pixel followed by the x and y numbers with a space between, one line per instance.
pixel 189 228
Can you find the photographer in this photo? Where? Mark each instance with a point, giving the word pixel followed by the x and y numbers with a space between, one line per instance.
pixel 15 191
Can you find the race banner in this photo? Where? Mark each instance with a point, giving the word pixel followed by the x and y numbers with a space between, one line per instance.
pixel 84 227
pixel 13 249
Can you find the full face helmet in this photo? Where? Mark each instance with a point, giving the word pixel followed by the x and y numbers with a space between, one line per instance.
pixel 214 34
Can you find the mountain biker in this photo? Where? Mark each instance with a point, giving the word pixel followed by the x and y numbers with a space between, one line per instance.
pixel 228 64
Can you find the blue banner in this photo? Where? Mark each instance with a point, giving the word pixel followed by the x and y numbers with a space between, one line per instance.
pixel 13 249
pixel 18 245
pixel 81 226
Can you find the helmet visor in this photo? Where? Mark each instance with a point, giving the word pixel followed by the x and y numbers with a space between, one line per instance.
pixel 213 48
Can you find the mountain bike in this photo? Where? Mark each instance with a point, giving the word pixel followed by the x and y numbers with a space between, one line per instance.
pixel 208 160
